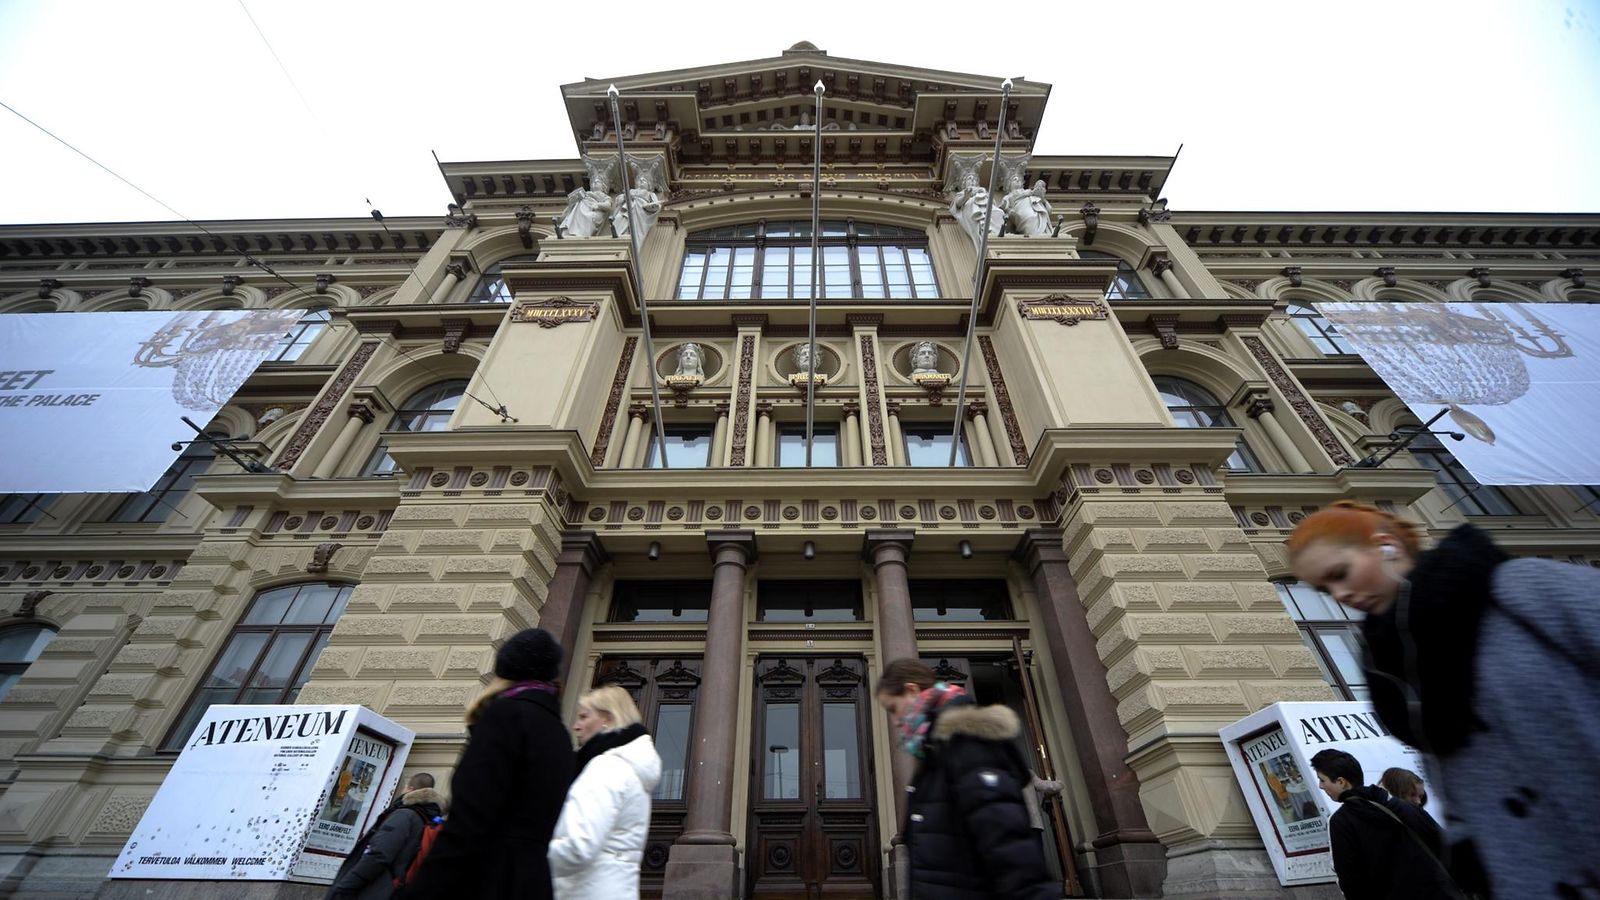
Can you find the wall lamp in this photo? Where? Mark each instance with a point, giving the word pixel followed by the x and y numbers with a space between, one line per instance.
pixel 810 550
pixel 654 553
pixel 966 549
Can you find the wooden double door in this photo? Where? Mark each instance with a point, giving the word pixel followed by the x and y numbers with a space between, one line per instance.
pixel 813 821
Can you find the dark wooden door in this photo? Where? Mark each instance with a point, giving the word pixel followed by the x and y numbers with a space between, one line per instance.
pixel 813 823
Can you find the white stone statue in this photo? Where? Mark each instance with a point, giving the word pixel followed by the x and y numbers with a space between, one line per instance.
pixel 642 197
pixel 969 201
pixel 802 358
pixel 691 360
pixel 1026 209
pixel 588 211
pixel 925 358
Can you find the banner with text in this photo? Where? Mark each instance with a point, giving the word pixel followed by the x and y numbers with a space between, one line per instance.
pixel 1516 380
pixel 94 401
pixel 1271 754
pixel 268 793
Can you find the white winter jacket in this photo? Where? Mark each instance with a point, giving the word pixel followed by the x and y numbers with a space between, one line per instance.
pixel 599 840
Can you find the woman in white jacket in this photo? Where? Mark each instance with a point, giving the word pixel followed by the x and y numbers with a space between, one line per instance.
pixel 599 840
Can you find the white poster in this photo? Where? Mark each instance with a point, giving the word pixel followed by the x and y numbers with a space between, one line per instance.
pixel 94 401
pixel 268 793
pixel 1519 381
pixel 1271 754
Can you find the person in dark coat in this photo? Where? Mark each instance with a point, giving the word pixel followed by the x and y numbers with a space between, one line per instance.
pixel 1382 847
pixel 967 825
pixel 387 851
pixel 509 783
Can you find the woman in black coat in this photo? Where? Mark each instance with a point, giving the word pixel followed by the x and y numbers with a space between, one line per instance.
pixel 509 784
pixel 967 826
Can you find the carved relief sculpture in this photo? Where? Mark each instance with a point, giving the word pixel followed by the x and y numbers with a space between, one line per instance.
pixel 643 197
pixel 619 386
pixel 1026 209
pixel 588 211
pixel 969 201
pixel 805 367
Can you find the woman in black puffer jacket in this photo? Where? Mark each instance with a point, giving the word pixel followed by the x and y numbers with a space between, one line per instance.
pixel 968 830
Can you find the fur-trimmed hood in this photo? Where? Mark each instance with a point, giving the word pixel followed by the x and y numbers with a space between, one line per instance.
pixel 990 723
pixel 423 797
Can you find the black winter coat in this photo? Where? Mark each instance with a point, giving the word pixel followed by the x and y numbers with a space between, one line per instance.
pixel 1376 859
pixel 968 829
pixel 387 851
pixel 505 798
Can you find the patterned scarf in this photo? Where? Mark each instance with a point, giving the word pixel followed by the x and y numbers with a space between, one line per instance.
pixel 523 687
pixel 919 717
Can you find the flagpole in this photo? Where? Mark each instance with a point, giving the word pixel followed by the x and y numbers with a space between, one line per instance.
pixel 816 265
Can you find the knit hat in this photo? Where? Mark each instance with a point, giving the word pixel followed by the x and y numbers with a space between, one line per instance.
pixel 529 655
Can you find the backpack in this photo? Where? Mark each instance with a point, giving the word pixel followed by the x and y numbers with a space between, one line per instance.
pixel 430 833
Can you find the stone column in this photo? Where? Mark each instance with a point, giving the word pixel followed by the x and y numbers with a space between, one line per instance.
pixel 360 415
pixel 897 441
pixel 764 456
pixel 1129 859
pixel 1162 266
pixel 703 862
pixel 978 436
pixel 887 550
pixel 719 436
pixel 637 414
pixel 852 434
pixel 1261 410
pixel 454 274
pixel 562 613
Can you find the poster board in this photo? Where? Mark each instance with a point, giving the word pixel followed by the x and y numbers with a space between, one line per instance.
pixel 1271 751
pixel 268 793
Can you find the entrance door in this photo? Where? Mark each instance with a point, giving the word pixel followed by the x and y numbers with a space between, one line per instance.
pixel 813 826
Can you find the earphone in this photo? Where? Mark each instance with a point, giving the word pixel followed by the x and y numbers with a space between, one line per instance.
pixel 1388 551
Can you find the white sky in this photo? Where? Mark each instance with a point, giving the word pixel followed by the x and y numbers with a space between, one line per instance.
pixel 1359 105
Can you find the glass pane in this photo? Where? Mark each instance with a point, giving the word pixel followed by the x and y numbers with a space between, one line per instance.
pixel 237 660
pixel 687 448
pixel 277 670
pixel 930 448
pixel 304 674
pixel 24 643
pixel 270 606
pixel 1346 655
pixel 136 509
pixel 337 610
pixel 824 446
pixel 808 601
pixel 672 743
pixel 202 701
pixel 311 605
pixel 836 271
pixel 661 601
pixel 7 679
pixel 782 780
pixel 960 600
pixel 841 773
pixel 775 273
pixel 1314 605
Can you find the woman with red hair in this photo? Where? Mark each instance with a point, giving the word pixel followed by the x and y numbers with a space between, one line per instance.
pixel 1491 665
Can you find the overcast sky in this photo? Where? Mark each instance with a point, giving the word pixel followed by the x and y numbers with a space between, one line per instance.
pixel 1362 105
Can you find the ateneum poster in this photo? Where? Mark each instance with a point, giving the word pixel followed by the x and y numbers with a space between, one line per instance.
pixel 94 401
pixel 1271 754
pixel 268 793
pixel 1518 381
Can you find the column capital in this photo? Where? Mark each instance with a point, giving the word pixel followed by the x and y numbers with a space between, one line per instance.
pixel 639 411
pixel 883 545
pixel 583 548
pixel 363 412
pixel 851 408
pixel 976 408
pixel 1039 546
pixel 742 539
pixel 764 407
pixel 1160 262
pixel 722 407
pixel 1259 405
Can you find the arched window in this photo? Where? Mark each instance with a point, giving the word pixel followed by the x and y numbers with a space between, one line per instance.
pixel 269 655
pixel 772 261
pixel 1126 285
pixel 20 645
pixel 295 341
pixel 427 410
pixel 1317 329
pixel 162 499
pixel 492 287
pixel 1192 406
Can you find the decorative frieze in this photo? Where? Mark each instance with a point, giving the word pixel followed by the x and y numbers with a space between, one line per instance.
pixel 619 387
pixel 1002 400
pixel 1297 399
pixel 741 412
pixel 325 406
pixel 869 378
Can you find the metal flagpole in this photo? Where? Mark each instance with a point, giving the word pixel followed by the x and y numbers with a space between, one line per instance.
pixel 816 265
pixel 977 275
pixel 633 240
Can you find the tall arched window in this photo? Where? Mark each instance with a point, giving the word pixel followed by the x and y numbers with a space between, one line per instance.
pixel 427 410
pixel 1126 285
pixel 20 645
pixel 269 655
pixel 772 261
pixel 1317 329
pixel 1192 406
pixel 299 336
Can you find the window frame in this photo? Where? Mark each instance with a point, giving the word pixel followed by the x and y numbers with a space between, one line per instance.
pixel 20 667
pixel 818 430
pixel 1199 409
pixel 843 245
pixel 1126 284
pixel 374 466
pixel 1454 481
pixel 940 434
pixel 1312 630
pixel 652 454
pixel 24 509
pixel 1317 329
pixel 171 488
pixel 317 319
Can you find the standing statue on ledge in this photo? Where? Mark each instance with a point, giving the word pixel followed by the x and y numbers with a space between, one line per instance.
pixel 925 358
pixel 691 360
pixel 969 201
pixel 1027 210
pixel 642 197
pixel 588 210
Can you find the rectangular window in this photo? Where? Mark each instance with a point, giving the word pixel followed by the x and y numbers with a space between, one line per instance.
pixel 1329 632
pixel 960 600
pixel 1464 491
pixel 672 743
pixel 660 601
pixel 688 447
pixel 808 601
pixel 824 445
pixel 928 446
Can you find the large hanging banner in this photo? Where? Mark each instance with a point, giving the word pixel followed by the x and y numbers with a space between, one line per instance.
pixel 1520 381
pixel 1271 752
pixel 268 793
pixel 94 401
